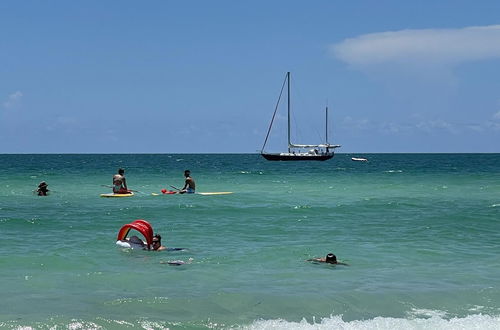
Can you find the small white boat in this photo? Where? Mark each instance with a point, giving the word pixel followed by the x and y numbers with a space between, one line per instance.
pixel 355 159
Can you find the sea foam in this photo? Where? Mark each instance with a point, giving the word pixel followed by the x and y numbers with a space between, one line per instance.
pixel 478 321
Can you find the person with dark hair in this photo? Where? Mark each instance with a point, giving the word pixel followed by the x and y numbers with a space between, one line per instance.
pixel 137 243
pixel 189 185
pixel 329 259
pixel 42 189
pixel 156 244
pixel 120 183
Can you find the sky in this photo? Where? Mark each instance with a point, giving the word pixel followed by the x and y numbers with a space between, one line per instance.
pixel 164 76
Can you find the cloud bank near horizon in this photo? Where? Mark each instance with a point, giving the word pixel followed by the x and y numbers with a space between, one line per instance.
pixel 422 125
pixel 421 47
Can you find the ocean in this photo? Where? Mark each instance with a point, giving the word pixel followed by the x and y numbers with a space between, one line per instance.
pixel 420 232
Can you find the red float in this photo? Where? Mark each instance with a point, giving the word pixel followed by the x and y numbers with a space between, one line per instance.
pixel 141 226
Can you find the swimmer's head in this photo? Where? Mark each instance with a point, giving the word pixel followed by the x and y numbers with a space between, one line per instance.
pixel 156 242
pixel 331 258
pixel 187 173
pixel 121 171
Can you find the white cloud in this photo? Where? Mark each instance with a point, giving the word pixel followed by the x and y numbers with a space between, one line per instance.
pixel 13 99
pixel 358 124
pixel 437 125
pixel 476 127
pixel 394 128
pixel 497 115
pixel 418 127
pixel 428 46
pixel 58 123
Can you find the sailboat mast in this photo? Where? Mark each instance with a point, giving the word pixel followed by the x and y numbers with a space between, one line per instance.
pixel 288 79
pixel 326 125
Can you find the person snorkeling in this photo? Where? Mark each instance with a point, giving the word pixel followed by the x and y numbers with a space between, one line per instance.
pixel 329 259
pixel 42 189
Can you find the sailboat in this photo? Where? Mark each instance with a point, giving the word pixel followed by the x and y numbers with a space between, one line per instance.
pixel 323 151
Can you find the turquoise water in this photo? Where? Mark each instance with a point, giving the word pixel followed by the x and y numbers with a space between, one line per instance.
pixel 421 233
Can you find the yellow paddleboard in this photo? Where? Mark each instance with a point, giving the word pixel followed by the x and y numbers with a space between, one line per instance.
pixel 117 195
pixel 201 193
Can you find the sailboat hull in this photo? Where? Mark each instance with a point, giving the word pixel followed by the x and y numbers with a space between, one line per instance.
pixel 293 157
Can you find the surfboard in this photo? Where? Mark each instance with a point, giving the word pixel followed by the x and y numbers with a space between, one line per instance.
pixel 117 195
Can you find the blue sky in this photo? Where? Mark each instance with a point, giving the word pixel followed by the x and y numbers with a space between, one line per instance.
pixel 204 76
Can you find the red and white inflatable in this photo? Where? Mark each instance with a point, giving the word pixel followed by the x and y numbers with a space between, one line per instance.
pixel 143 227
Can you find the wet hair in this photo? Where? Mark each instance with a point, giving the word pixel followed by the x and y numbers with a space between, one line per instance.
pixel 331 258
pixel 121 171
pixel 157 236
pixel 187 172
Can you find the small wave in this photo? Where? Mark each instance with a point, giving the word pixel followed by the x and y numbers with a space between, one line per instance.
pixel 296 207
pixel 394 171
pixel 435 321
pixel 477 321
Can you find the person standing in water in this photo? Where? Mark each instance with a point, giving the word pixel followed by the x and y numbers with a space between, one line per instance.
pixel 42 189
pixel 120 183
pixel 189 185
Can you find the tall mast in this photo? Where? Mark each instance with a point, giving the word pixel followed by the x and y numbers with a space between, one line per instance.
pixel 288 79
pixel 326 125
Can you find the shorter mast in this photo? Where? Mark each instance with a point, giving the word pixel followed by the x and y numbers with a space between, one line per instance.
pixel 326 130
pixel 326 126
pixel 288 79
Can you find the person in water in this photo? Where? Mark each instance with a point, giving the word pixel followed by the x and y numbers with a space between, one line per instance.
pixel 120 183
pixel 138 243
pixel 156 244
pixel 189 185
pixel 329 259
pixel 42 189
